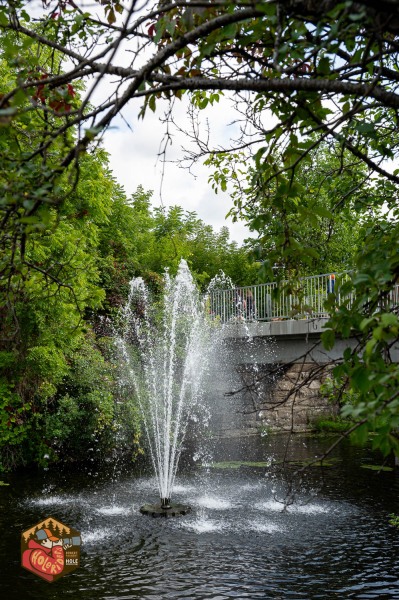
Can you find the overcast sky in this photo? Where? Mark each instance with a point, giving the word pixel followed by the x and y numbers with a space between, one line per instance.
pixel 133 146
pixel 134 161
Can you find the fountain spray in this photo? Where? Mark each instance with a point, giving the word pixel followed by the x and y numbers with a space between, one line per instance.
pixel 165 346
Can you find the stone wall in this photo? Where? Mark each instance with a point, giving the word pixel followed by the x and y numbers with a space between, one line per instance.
pixel 273 397
pixel 293 401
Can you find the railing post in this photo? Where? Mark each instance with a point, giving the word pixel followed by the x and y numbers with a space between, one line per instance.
pixel 256 300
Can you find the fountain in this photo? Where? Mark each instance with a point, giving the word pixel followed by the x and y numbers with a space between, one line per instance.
pixel 165 344
pixel 235 542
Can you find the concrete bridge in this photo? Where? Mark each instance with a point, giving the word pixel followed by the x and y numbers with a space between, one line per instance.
pixel 268 374
pixel 272 362
pixel 294 319
pixel 281 341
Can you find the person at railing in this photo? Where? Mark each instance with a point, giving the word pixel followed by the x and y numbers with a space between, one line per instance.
pixel 249 304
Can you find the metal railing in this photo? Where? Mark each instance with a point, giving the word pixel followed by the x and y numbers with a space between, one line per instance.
pixel 303 299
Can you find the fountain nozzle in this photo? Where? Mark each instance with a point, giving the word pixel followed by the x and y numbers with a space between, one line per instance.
pixel 165 503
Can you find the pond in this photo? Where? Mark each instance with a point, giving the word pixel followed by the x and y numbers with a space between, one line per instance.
pixel 333 541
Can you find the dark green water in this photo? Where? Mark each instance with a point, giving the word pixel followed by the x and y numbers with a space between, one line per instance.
pixel 333 542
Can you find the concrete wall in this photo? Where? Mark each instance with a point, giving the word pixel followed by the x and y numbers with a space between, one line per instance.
pixel 282 341
pixel 251 386
pixel 263 363
pixel 288 399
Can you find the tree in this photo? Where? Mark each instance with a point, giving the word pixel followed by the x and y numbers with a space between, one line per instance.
pixel 125 244
pixel 301 73
pixel 329 71
pixel 179 234
pixel 212 252
pixel 53 376
pixel 322 222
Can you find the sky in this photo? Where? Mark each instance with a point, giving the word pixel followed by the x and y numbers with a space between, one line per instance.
pixel 134 161
pixel 133 146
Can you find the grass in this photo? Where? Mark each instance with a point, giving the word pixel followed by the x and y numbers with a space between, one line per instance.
pixel 333 425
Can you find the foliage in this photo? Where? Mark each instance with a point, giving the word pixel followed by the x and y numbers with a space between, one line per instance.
pixel 43 305
pixel 302 74
pixel 180 234
pixel 394 520
pixel 83 407
pixel 292 56
pixel 333 425
pixel 336 393
pixel 315 220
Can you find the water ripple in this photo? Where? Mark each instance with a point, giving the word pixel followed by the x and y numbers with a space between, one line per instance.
pixel 213 502
pixel 309 509
pixel 95 535
pixel 52 500
pixel 113 510
pixel 204 525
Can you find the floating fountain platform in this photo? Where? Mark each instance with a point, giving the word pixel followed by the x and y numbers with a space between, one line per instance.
pixel 165 509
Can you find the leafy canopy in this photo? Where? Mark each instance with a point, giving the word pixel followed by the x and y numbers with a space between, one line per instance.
pixel 301 73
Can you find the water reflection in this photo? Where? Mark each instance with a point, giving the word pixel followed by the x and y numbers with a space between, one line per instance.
pixel 237 543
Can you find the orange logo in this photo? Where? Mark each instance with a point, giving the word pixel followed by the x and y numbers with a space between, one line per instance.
pixel 50 549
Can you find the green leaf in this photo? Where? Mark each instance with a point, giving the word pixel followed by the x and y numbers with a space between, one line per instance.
pixel 4 22
pixel 322 211
pixel 32 219
pixel 152 102
pixel 360 379
pixel 348 354
pixel 361 278
pixel 367 129
pixel 361 434
pixel 324 66
pixel 370 347
pixel 92 132
pixel 389 320
pixel 328 339
pixel 365 323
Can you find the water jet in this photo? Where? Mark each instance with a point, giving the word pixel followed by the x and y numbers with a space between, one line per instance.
pixel 165 345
